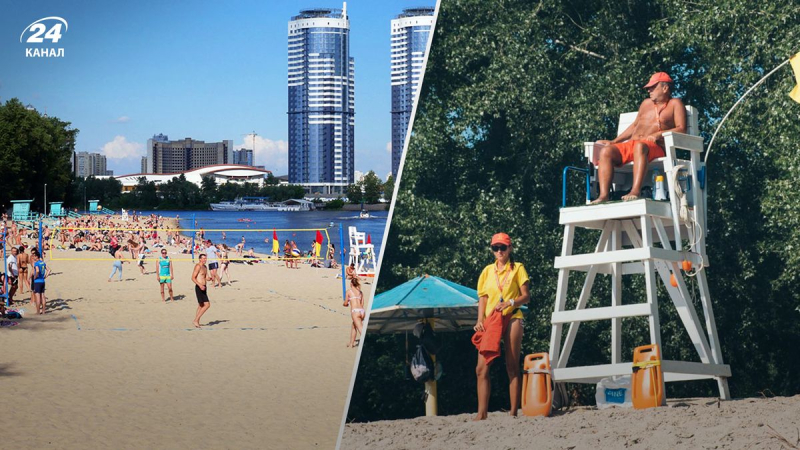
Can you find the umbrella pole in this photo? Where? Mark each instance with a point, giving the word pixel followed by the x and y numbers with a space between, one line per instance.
pixel 431 403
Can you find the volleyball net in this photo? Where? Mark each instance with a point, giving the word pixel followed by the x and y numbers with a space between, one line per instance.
pixel 186 244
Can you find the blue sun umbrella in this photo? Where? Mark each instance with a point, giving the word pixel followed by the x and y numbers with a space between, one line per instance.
pixel 454 307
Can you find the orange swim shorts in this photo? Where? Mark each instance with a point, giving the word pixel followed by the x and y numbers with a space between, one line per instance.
pixel 626 150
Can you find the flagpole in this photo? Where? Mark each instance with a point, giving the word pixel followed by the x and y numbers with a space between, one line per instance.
pixel 737 103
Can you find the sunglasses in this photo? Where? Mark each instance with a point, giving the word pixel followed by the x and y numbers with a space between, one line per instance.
pixel 499 248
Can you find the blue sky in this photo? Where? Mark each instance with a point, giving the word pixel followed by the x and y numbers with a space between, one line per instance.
pixel 209 70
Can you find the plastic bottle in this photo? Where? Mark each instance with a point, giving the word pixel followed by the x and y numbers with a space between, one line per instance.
pixel 660 192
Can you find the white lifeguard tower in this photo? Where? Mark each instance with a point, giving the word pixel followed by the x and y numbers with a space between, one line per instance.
pixel 647 237
pixel 362 255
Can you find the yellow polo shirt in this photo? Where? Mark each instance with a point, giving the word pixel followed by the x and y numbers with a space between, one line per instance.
pixel 488 286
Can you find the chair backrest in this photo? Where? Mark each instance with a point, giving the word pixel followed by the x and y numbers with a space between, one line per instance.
pixel 626 119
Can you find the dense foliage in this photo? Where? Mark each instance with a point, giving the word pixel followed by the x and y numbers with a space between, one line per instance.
pixel 511 89
pixel 369 189
pixel 34 150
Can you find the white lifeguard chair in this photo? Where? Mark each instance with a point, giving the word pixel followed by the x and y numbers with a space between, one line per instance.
pixel 642 237
pixel 361 254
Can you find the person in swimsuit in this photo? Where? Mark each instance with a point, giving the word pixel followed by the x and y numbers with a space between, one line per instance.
pixel 503 287
pixel 199 278
pixel 164 274
pixel 355 300
pixel 223 251
pixel 40 272
pixel 22 261
pixel 643 140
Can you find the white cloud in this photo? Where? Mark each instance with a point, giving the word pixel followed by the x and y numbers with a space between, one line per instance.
pixel 389 147
pixel 273 155
pixel 120 148
pixel 122 119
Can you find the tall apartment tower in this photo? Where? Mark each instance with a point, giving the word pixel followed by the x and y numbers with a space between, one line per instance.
pixel 321 100
pixel 85 164
pixel 410 31
pixel 243 156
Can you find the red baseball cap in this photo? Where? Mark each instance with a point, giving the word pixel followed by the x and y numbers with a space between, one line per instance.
pixel 657 78
pixel 501 238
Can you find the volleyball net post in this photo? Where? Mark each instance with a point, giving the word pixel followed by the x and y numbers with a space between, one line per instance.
pixel 341 251
pixel 194 224
pixel 5 278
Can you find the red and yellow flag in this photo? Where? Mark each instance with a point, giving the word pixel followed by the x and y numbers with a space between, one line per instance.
pixel 275 245
pixel 795 62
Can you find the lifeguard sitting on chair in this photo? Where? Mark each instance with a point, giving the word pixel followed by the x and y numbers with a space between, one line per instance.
pixel 642 141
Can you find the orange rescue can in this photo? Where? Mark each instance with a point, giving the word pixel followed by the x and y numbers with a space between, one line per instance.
pixel 646 382
pixel 537 386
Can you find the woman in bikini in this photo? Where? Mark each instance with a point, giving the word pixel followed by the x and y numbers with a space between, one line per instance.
pixel 355 300
pixel 225 261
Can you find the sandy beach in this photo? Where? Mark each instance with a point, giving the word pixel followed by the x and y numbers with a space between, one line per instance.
pixel 700 423
pixel 112 366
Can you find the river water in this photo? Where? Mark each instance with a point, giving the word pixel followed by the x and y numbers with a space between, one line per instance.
pixel 287 223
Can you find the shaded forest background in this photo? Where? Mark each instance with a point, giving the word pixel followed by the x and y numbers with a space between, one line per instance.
pixel 511 89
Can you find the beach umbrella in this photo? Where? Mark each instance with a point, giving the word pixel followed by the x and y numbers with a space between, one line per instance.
pixel 275 245
pixel 445 305
pixel 452 306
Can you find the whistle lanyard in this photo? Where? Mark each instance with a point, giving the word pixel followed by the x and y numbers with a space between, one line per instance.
pixel 658 113
pixel 499 283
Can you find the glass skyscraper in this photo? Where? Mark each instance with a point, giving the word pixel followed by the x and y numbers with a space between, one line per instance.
pixel 321 100
pixel 410 31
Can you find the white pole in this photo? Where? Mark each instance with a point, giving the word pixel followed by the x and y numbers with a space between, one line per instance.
pixel 45 199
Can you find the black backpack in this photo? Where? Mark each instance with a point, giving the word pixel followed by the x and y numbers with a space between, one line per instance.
pixel 421 365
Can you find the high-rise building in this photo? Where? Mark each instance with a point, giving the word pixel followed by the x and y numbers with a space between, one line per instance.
pixel 85 164
pixel 243 156
pixel 144 164
pixel 410 31
pixel 321 100
pixel 165 156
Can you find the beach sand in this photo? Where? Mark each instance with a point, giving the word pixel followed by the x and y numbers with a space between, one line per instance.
pixel 700 423
pixel 112 366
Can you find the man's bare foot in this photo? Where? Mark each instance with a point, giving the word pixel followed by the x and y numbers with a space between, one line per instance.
pixel 196 324
pixel 599 200
pixel 630 196
pixel 479 418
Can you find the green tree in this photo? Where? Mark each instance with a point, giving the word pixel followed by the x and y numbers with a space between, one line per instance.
pixel 372 188
pixel 511 90
pixel 354 192
pixel 34 150
pixel 388 188
pixel 208 186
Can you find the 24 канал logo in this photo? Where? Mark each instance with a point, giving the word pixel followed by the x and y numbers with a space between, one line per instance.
pixel 50 29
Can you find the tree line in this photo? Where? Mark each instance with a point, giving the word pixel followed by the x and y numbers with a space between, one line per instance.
pixel 510 92
pixel 176 194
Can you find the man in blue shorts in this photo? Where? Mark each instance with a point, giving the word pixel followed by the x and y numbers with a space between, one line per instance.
pixel 40 272
pixel 213 263
pixel 164 274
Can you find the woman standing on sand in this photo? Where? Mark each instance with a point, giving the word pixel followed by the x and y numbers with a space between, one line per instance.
pixel 502 288
pixel 355 299
pixel 117 266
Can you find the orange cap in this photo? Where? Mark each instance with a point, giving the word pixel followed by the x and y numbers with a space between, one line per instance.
pixel 657 78
pixel 501 238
